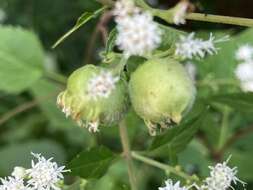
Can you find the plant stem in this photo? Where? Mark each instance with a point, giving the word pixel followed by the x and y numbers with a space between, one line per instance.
pixel 220 19
pixel 56 77
pixel 168 14
pixel 162 166
pixel 224 128
pixel 127 154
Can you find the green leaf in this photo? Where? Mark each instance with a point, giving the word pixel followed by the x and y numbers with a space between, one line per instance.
pixel 178 137
pixel 20 154
pixel 83 19
pixel 111 41
pixel 21 59
pixel 93 163
pixel 46 92
pixel 242 102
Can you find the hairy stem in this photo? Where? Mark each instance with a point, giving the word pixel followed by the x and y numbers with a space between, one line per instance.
pixel 168 14
pixel 220 19
pixel 127 154
pixel 164 167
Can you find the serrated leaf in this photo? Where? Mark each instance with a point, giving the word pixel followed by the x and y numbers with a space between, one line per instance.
pixel 93 163
pixel 239 101
pixel 178 137
pixel 83 19
pixel 21 59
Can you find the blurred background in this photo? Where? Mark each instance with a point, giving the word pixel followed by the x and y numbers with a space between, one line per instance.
pixel 30 120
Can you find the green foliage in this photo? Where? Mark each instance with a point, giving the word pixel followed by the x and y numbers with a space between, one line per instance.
pixel 178 137
pixel 83 19
pixel 21 59
pixel 93 163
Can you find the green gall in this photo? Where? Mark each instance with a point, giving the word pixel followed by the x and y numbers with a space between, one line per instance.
pixel 94 96
pixel 161 92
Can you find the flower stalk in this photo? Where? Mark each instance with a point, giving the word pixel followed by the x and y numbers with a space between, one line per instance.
pixel 165 167
pixel 127 154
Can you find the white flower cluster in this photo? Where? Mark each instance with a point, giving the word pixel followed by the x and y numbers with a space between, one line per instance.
pixel 244 71
pixel 222 177
pixel 138 34
pixel 170 186
pixel 44 175
pixel 101 85
pixel 189 47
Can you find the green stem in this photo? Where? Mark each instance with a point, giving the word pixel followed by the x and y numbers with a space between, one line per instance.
pixel 217 82
pixel 127 154
pixel 56 77
pixel 224 128
pixel 220 19
pixel 164 167
pixel 168 16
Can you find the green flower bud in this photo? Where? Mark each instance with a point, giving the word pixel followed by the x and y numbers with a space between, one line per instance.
pixel 161 92
pixel 94 96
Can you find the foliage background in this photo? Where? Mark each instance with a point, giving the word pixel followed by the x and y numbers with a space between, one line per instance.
pixel 30 120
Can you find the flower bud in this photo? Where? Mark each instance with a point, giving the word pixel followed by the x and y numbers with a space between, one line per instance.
pixel 161 92
pixel 93 97
pixel 19 172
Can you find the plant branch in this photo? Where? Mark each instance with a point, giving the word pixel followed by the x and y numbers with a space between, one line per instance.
pixel 21 108
pixel 127 154
pixel 220 19
pixel 164 167
pixel 168 14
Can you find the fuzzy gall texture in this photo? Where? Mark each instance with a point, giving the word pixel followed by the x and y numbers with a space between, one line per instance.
pixel 93 97
pixel 161 91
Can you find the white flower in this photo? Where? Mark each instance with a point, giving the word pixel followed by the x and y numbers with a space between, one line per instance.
pixel 191 69
pixel 245 53
pixel 244 72
pixel 138 34
pixel 170 186
pixel 221 177
pixel 123 8
pixel 19 172
pixel 12 183
pixel 190 47
pixel 180 13
pixel 101 85
pixel 45 174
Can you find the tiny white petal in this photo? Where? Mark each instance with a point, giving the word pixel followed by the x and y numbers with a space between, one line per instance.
pixel 19 172
pixel 44 174
pixel 221 177
pixel 101 85
pixel 170 186
pixel 189 47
